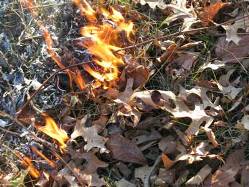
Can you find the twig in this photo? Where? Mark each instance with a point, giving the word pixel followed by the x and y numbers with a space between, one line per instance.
pixel 152 169
pixel 44 83
pixel 10 132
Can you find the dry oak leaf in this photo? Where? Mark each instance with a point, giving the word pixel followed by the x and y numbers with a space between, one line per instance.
pixel 180 11
pixel 200 176
pixel 176 105
pixel 92 162
pixel 185 62
pixel 231 30
pixel 90 135
pixel 91 179
pixel 124 183
pixel 167 162
pixel 153 3
pixel 125 150
pixel 230 52
pixel 143 173
pixel 165 177
pixel 210 12
pixel 226 174
pixel 244 122
pixel 228 88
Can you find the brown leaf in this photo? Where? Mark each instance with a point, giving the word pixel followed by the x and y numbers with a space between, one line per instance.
pixel 182 65
pixel 167 145
pixel 90 135
pixel 169 54
pixel 124 183
pixel 167 162
pixel 244 176
pixel 200 176
pixel 143 173
pixel 232 29
pixel 226 174
pixel 230 52
pixel 91 179
pixel 211 136
pixel 125 150
pixel 210 12
pixel 165 177
pixel 92 162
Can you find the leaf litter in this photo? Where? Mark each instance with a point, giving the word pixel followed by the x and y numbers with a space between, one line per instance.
pixel 109 119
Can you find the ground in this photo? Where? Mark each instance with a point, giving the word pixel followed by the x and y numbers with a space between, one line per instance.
pixel 124 93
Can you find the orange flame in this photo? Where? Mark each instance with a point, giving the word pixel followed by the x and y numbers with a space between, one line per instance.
pixel 39 153
pixel 103 39
pixel 51 129
pixel 27 163
pixel 76 76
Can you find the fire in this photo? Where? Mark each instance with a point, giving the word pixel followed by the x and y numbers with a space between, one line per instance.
pixel 73 75
pixel 103 38
pixel 102 35
pixel 52 130
pixel 27 163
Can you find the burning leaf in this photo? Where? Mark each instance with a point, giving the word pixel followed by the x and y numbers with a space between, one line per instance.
pixel 210 12
pixel 180 10
pixel 200 176
pixel 51 129
pixel 231 30
pixel 125 150
pixel 230 52
pixel 226 174
pixel 90 135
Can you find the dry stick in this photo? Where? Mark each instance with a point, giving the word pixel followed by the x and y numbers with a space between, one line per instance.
pixel 44 83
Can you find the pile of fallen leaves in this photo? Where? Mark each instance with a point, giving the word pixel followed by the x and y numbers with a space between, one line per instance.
pixel 178 114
